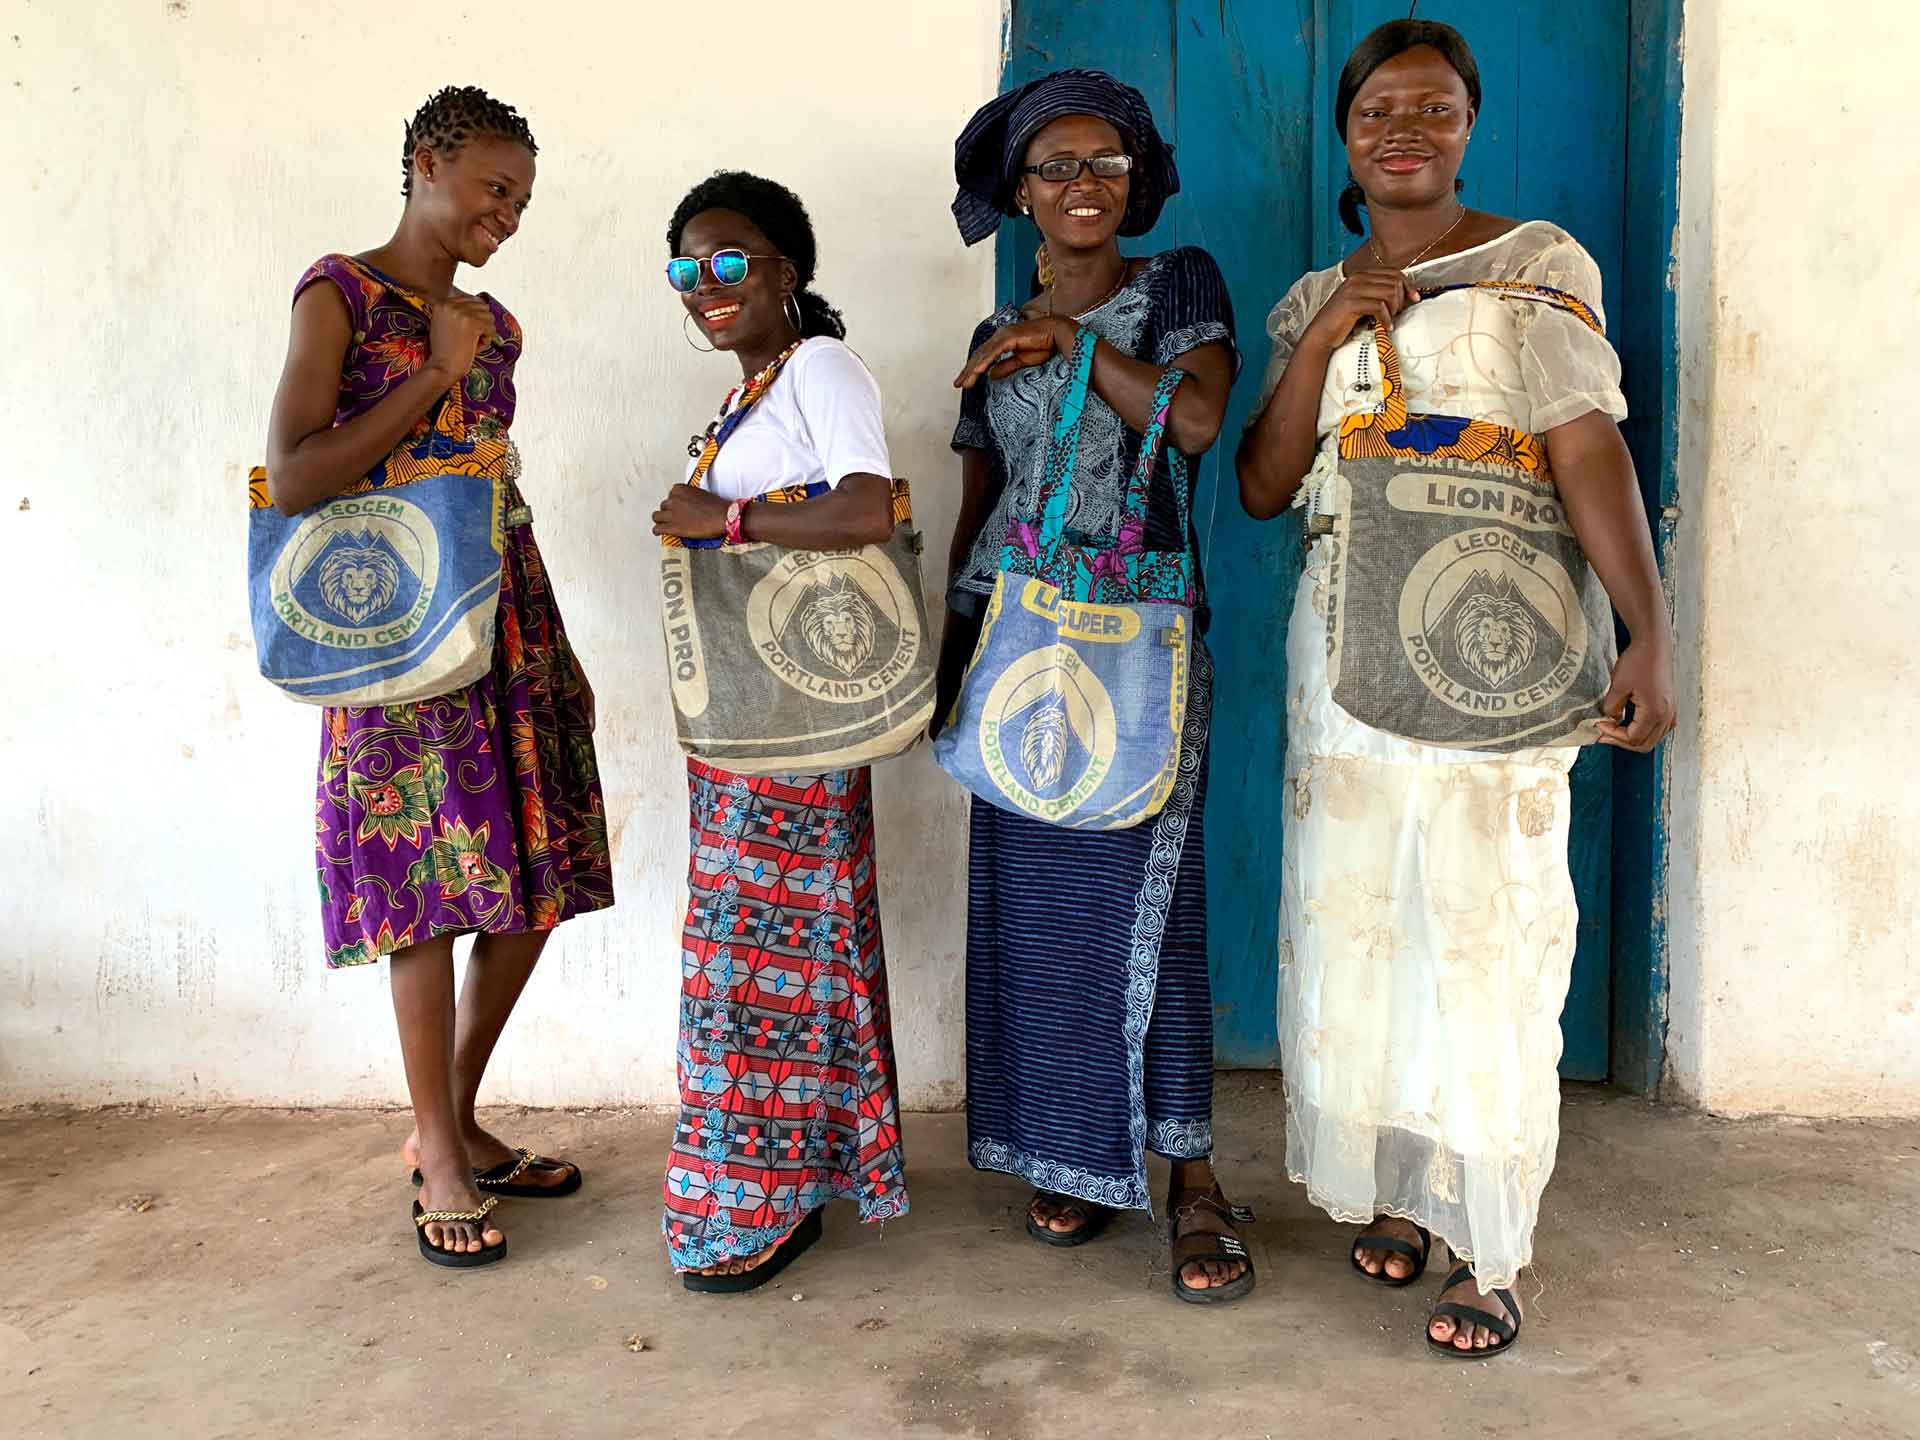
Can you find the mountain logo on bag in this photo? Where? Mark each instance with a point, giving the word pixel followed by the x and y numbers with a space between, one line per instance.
pixel 1492 624
pixel 1048 733
pixel 359 572
pixel 836 625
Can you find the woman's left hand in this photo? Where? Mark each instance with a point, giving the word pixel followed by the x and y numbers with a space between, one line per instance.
pixel 1644 675
pixel 1015 347
pixel 691 514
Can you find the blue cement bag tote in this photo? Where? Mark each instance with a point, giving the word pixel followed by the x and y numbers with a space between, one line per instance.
pixel 387 593
pixel 1072 707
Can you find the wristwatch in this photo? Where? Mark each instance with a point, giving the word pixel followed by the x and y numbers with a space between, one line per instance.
pixel 736 514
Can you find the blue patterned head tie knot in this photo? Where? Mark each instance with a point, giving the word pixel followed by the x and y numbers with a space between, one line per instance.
pixel 991 149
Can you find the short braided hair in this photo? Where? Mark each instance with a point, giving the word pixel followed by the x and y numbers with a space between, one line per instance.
pixel 454 116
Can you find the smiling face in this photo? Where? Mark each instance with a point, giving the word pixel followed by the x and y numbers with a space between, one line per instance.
pixel 1083 213
pixel 473 201
pixel 1407 130
pixel 751 316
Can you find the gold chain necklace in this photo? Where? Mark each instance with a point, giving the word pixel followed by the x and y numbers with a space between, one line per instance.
pixel 1118 286
pixel 1432 244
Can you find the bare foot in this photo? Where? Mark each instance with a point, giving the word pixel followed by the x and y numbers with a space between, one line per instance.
pixel 1395 1265
pixel 1464 1334
pixel 1199 1215
pixel 747 1264
pixel 488 1151
pixel 449 1186
pixel 1063 1215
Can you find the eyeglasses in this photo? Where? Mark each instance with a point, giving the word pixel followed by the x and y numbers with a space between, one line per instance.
pixel 1059 172
pixel 728 267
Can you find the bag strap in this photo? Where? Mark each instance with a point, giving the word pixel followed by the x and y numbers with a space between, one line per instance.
pixel 1057 483
pixel 731 414
pixel 1564 300
pixel 1059 476
pixel 1152 442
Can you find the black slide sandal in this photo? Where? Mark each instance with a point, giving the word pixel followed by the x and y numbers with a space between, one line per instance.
pixel 1225 1247
pixel 790 1249
pixel 1396 1247
pixel 1098 1218
pixel 456 1259
pixel 1507 1327
pixel 500 1180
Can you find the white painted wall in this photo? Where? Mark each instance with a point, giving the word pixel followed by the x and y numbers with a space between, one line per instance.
pixel 1796 811
pixel 169 170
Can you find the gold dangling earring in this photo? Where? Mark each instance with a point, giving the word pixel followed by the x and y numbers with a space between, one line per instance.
pixel 685 320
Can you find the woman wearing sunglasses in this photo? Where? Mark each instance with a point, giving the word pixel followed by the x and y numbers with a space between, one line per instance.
pixel 1110 924
pixel 787 1093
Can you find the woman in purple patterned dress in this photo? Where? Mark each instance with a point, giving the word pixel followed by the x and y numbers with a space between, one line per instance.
pixel 479 811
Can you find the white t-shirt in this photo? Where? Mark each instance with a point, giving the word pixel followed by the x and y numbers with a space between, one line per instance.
pixel 820 420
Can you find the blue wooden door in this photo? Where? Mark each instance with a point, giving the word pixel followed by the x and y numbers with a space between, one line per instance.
pixel 1245 91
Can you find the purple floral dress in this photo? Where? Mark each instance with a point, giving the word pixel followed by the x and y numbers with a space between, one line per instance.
pixel 479 810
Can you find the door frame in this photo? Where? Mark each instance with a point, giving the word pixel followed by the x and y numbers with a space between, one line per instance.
pixel 1646 337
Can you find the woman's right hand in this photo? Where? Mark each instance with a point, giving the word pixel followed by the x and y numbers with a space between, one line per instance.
pixel 461 326
pixel 1376 295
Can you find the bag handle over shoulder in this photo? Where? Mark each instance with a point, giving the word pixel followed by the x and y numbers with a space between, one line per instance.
pixel 1042 542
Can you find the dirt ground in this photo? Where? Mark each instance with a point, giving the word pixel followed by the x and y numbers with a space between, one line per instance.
pixel 1696 1278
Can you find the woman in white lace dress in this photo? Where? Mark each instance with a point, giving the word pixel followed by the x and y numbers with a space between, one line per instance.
pixel 1427 913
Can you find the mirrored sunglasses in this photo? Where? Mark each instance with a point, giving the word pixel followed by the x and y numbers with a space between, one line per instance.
pixel 728 267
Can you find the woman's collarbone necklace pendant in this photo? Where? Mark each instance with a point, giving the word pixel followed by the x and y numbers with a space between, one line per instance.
pixel 1426 250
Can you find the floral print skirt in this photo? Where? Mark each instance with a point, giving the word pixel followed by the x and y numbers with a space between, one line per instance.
pixel 474 811
pixel 1427 927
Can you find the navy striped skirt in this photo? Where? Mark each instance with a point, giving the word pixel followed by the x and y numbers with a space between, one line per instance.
pixel 1089 1012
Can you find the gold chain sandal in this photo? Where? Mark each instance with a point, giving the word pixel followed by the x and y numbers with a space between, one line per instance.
pixel 502 1179
pixel 456 1259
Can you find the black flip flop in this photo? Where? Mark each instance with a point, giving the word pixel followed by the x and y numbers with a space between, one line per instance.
pixel 502 1179
pixel 456 1259
pixel 790 1249
pixel 1098 1218
pixel 1507 1326
pixel 1226 1247
pixel 1397 1247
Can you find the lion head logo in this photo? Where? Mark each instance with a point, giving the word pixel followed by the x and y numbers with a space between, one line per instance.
pixel 1496 634
pixel 838 624
pixel 359 581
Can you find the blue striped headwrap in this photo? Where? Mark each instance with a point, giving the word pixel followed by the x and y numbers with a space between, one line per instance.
pixel 988 156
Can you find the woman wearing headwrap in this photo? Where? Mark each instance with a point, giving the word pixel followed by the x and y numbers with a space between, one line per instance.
pixel 1089 1016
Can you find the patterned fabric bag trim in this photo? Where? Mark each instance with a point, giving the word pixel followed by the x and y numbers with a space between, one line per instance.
pixel 378 598
pixel 822 660
pixel 1072 708
pixel 1462 611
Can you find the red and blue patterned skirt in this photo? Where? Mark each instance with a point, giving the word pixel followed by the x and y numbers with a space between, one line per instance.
pixel 787 1089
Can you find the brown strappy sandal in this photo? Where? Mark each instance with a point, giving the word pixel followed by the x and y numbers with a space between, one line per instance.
pixel 1224 1246
pixel 461 1259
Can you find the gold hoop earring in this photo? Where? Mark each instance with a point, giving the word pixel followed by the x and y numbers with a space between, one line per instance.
pixel 685 320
